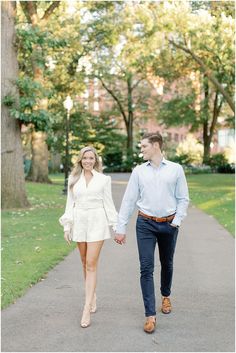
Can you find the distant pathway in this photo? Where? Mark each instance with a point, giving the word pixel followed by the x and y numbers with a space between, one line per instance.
pixel 47 318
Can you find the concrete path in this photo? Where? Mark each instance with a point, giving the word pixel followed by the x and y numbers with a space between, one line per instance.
pixel 47 318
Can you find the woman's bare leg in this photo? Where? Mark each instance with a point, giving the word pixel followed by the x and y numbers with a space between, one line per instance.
pixel 93 252
pixel 92 256
pixel 82 246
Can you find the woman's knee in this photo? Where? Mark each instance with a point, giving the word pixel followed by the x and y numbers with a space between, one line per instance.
pixel 91 265
pixel 83 260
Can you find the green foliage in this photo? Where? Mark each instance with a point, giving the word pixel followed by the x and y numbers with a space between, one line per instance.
pixel 101 131
pixel 36 43
pixel 131 160
pixel 178 111
pixel 183 159
pixel 8 100
pixel 120 40
pixel 113 161
pixel 39 47
pixel 220 164
pixel 30 92
pixel 217 160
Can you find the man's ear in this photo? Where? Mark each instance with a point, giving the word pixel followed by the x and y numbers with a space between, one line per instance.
pixel 156 145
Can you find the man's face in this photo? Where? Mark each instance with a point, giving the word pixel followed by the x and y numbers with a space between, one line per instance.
pixel 149 150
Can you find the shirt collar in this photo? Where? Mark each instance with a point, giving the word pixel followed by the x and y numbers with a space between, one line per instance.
pixel 163 161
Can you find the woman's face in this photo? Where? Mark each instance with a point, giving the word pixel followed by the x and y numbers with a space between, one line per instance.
pixel 88 160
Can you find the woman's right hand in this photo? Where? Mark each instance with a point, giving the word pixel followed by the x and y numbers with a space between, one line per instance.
pixel 67 237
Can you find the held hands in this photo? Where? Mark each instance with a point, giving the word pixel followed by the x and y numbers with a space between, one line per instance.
pixel 67 237
pixel 120 239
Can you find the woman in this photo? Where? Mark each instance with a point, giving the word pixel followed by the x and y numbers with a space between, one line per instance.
pixel 89 212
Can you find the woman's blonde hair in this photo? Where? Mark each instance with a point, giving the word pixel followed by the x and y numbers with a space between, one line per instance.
pixel 77 170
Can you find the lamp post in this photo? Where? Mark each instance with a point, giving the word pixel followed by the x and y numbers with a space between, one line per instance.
pixel 68 105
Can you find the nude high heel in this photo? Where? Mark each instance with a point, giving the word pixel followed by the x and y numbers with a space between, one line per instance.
pixel 93 306
pixel 85 321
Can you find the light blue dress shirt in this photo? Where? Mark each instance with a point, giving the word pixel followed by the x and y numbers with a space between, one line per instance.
pixel 156 191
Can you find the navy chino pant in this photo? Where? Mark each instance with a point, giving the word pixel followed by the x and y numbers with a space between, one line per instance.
pixel 149 233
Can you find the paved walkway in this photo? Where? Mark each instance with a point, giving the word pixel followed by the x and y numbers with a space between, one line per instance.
pixel 47 318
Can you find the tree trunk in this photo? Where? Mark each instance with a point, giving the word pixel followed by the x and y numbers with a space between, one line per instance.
pixel 130 117
pixel 206 140
pixel 12 171
pixel 208 133
pixel 206 145
pixel 39 162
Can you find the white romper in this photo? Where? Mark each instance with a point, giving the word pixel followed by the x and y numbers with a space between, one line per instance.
pixel 89 209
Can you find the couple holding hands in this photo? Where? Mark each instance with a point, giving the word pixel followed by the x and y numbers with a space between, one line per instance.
pixel 158 188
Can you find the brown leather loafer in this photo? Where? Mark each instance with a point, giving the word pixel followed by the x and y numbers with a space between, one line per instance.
pixel 166 305
pixel 150 324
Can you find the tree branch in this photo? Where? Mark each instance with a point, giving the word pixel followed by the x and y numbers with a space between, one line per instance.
pixel 137 83
pixel 30 10
pixel 208 72
pixel 50 10
pixel 115 98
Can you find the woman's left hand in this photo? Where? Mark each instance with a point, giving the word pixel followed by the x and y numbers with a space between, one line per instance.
pixel 67 237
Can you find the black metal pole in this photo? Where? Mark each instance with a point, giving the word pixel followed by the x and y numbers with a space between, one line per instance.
pixel 66 166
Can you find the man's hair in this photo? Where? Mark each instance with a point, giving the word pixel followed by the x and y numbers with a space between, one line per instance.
pixel 153 137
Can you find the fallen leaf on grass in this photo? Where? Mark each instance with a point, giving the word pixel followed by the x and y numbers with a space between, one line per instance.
pixel 37 248
pixel 19 262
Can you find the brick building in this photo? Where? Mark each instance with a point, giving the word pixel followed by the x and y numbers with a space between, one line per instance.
pixel 96 99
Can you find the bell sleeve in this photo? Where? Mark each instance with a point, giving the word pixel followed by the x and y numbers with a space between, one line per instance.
pixel 112 215
pixel 66 220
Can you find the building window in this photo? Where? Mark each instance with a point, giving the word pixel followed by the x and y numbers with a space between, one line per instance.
pixel 96 106
pixel 169 136
pixel 176 137
pixel 96 93
pixel 86 93
pixel 86 105
pixel 225 137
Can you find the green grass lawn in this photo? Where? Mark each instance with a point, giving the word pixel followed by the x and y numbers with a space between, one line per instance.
pixel 32 238
pixel 214 194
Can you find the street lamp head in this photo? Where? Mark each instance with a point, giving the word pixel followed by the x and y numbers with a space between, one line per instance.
pixel 68 103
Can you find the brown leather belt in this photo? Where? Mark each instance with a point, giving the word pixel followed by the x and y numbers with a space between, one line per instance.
pixel 156 219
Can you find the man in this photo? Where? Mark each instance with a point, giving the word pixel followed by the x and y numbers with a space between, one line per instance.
pixel 159 189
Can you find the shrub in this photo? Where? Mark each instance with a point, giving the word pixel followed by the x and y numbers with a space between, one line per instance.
pixel 201 169
pixel 219 163
pixel 190 150
pixel 112 161
pixel 183 159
